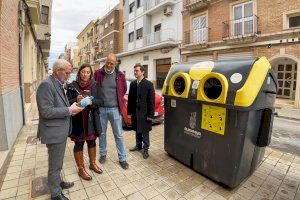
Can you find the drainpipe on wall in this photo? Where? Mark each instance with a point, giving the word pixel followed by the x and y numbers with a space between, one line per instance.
pixel 21 42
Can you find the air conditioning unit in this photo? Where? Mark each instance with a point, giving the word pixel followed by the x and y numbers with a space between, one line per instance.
pixel 168 11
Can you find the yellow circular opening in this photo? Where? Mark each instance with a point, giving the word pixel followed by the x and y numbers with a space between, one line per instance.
pixel 179 85
pixel 212 88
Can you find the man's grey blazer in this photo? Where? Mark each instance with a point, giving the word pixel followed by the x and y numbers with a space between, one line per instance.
pixel 54 117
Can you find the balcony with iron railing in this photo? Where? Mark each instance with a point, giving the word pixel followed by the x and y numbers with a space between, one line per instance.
pixel 101 35
pixel 34 10
pixel 100 51
pixel 90 34
pixel 192 5
pixel 97 56
pixel 196 37
pixel 43 36
pixel 87 49
pixel 153 6
pixel 166 35
pixel 244 29
pixel 95 45
pixel 156 40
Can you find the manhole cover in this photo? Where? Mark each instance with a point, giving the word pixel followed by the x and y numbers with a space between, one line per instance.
pixel 39 187
pixel 32 140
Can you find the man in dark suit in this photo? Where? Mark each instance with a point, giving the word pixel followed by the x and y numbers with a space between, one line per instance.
pixel 141 100
pixel 55 123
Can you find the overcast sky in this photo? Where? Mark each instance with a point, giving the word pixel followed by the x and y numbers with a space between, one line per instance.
pixel 69 17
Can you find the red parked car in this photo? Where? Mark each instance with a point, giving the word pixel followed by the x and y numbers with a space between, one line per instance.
pixel 159 108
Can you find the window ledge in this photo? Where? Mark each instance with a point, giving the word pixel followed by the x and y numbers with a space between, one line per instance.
pixel 292 29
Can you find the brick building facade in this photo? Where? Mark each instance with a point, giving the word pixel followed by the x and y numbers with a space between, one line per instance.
pixel 24 49
pixel 101 37
pixel 10 90
pixel 110 37
pixel 9 56
pixel 229 29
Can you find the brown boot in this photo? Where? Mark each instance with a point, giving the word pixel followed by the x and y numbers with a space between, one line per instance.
pixel 81 170
pixel 92 156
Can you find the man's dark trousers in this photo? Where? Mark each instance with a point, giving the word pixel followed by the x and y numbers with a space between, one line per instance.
pixel 142 138
pixel 56 154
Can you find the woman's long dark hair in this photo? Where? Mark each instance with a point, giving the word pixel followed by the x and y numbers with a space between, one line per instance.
pixel 84 65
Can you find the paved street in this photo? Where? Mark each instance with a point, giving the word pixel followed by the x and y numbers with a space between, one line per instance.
pixel 286 135
pixel 159 177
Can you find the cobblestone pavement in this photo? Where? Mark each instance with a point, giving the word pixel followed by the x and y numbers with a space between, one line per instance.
pixel 158 177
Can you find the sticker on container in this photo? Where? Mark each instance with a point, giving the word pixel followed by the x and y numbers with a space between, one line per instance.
pixel 213 119
pixel 268 80
pixel 190 130
pixel 173 103
pixel 236 78
pixel 195 84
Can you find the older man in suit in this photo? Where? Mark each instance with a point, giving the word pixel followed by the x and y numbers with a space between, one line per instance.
pixel 55 123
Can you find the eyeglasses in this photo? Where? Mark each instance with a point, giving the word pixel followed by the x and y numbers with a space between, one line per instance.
pixel 110 64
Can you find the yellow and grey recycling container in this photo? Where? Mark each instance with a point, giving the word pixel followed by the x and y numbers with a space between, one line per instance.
pixel 219 116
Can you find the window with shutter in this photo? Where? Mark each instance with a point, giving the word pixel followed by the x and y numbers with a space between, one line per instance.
pixel 139 3
pixel 139 33
pixel 130 37
pixel 199 29
pixel 243 20
pixel 294 21
pixel 131 7
pixel 45 14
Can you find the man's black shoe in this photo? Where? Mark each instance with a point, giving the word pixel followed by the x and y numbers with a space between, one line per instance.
pixel 135 149
pixel 145 154
pixel 66 185
pixel 60 197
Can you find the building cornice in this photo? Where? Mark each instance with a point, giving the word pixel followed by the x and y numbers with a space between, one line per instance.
pixel 86 28
pixel 114 31
pixel 283 37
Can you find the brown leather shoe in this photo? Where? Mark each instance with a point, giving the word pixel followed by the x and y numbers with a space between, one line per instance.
pixel 92 156
pixel 124 164
pixel 81 170
pixel 102 159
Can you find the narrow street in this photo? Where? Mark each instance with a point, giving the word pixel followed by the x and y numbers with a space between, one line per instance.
pixel 286 135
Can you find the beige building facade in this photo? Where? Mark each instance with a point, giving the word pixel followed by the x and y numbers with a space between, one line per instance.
pixel 85 44
pixel 101 37
pixel 36 44
pixel 71 55
pixel 97 50
pixel 231 29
